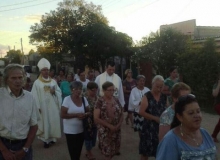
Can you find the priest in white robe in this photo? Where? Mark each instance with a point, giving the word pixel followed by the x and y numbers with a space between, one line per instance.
pixel 110 76
pixel 47 95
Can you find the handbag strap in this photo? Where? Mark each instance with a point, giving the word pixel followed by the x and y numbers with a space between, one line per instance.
pixel 83 101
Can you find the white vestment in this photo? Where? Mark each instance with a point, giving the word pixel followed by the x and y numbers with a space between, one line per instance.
pixel 135 98
pixel 49 127
pixel 116 80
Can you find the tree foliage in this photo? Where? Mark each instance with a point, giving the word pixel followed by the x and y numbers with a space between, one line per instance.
pixel 54 30
pixel 79 28
pixel 14 56
pixel 198 65
pixel 162 49
pixel 200 69
pixel 31 52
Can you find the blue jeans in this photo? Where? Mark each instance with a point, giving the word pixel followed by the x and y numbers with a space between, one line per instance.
pixel 91 143
pixel 16 147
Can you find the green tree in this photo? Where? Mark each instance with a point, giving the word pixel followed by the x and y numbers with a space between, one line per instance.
pixel 167 47
pixel 14 56
pixel 80 29
pixel 162 50
pixel 55 31
pixel 31 52
pixel 200 70
pixel 99 42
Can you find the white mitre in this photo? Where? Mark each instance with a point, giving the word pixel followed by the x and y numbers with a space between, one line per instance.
pixel 43 63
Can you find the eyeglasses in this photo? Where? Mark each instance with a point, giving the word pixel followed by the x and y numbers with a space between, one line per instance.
pixel 185 97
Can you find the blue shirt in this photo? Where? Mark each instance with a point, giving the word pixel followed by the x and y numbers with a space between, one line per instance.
pixel 173 148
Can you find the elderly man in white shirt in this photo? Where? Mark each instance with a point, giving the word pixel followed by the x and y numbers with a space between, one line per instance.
pixel 18 116
pixel 110 76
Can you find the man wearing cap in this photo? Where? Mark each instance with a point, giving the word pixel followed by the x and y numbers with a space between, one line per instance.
pixel 48 99
pixel 18 116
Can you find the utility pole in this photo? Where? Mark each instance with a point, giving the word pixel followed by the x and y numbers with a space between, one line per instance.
pixel 22 52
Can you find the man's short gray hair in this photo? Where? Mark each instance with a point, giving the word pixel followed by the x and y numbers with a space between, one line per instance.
pixel 156 78
pixel 10 68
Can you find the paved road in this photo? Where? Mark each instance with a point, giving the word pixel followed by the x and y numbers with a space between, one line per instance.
pixel 129 145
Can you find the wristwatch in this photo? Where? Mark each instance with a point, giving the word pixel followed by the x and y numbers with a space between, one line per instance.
pixel 25 149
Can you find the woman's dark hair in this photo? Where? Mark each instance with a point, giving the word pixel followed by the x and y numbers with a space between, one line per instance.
pixel 62 71
pixel 75 84
pixel 172 69
pixel 180 107
pixel 81 71
pixel 92 85
pixel 107 85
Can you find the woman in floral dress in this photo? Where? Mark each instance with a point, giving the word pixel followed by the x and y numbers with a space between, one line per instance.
pixel 152 106
pixel 108 115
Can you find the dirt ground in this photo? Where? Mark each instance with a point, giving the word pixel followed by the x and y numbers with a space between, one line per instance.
pixel 129 144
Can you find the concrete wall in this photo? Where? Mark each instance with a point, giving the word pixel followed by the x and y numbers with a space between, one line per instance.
pixel 185 27
pixel 207 31
pixel 198 34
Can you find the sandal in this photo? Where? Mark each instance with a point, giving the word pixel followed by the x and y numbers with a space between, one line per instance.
pixel 90 158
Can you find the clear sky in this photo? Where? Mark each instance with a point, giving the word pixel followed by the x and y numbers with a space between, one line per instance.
pixel 137 18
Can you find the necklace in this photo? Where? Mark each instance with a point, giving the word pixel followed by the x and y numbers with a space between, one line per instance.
pixel 182 134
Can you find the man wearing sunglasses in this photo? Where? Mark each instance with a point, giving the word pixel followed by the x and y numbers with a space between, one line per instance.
pixel 179 89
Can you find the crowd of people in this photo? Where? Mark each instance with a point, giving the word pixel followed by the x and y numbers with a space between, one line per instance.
pixel 167 117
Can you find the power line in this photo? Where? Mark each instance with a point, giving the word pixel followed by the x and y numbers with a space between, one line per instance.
pixel 27 6
pixel 17 3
